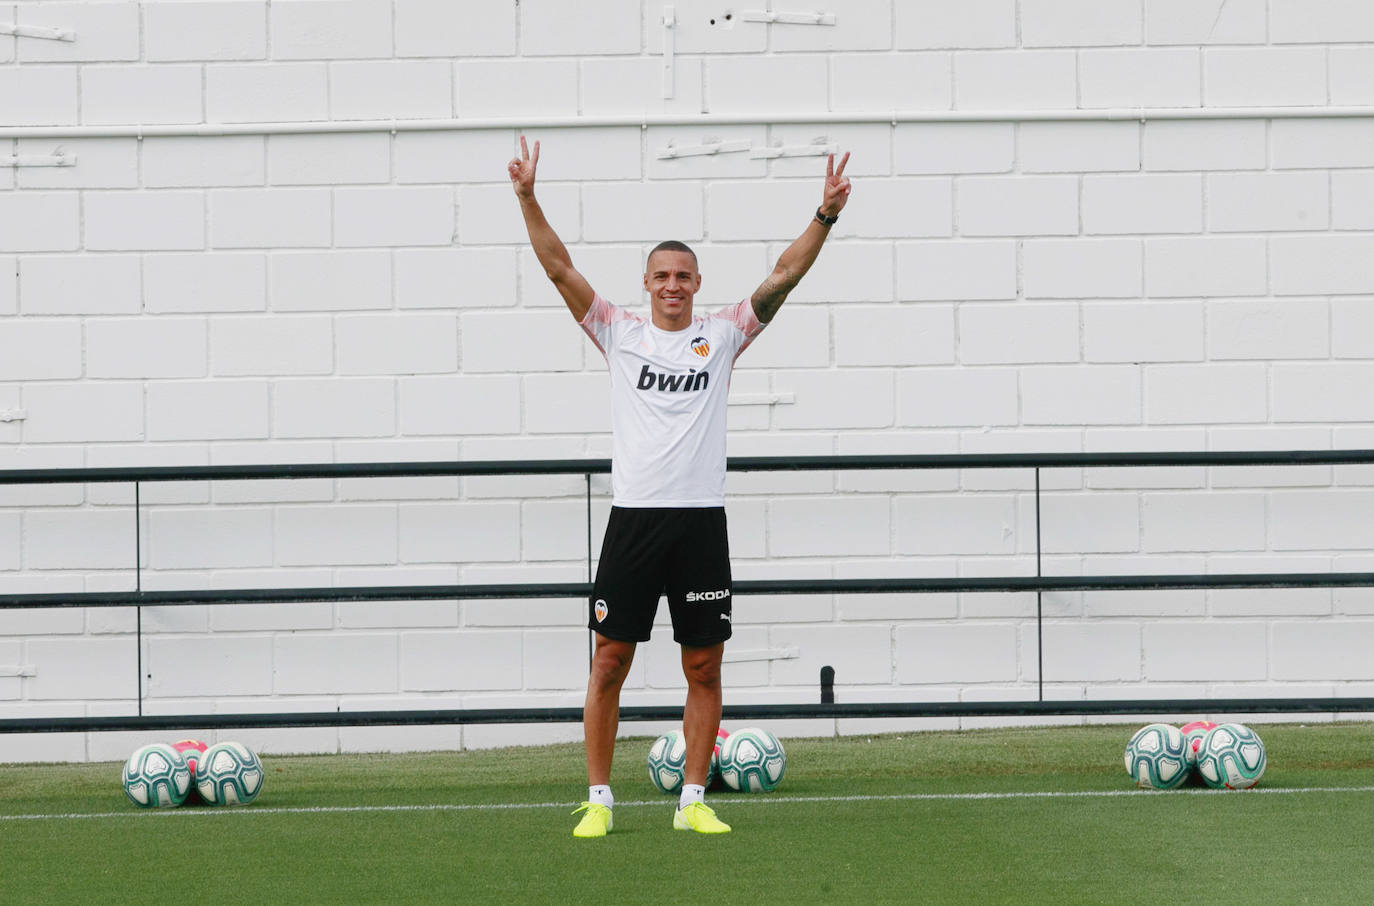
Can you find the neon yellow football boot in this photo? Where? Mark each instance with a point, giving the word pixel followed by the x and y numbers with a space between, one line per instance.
pixel 699 817
pixel 596 823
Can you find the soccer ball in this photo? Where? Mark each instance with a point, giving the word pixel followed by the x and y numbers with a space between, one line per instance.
pixel 229 774
pixel 752 760
pixel 1155 757
pixel 715 781
pixel 1193 734
pixel 1232 757
pixel 156 776
pixel 191 750
pixel 668 761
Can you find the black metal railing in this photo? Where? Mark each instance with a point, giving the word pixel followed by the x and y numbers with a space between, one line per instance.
pixel 1039 584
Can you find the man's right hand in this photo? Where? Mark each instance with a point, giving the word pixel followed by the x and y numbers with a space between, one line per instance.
pixel 521 170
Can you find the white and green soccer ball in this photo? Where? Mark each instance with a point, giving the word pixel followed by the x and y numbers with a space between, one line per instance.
pixel 1194 733
pixel 668 761
pixel 156 776
pixel 1156 757
pixel 752 760
pixel 229 774
pixel 1231 757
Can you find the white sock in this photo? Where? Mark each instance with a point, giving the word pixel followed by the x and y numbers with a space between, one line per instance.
pixel 691 792
pixel 601 795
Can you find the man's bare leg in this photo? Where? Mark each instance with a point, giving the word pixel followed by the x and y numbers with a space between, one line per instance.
pixel 700 720
pixel 611 661
pixel 701 715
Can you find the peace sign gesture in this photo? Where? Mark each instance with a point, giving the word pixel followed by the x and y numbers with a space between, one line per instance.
pixel 836 186
pixel 521 170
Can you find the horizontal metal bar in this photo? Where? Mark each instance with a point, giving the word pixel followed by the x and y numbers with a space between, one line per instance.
pixel 1189 706
pixel 305 470
pixel 734 464
pixel 699 120
pixel 743 587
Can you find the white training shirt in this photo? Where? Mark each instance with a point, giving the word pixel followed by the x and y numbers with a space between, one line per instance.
pixel 668 402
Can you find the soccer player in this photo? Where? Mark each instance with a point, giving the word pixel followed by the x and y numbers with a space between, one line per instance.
pixel 670 375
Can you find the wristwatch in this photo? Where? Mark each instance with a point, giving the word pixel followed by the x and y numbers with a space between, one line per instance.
pixel 828 221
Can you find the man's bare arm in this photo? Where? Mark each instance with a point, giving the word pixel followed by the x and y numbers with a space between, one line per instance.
pixel 553 255
pixel 801 254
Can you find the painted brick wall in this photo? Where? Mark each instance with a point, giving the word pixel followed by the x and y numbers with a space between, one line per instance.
pixel 1000 282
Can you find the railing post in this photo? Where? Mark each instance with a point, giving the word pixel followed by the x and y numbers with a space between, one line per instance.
pixel 138 586
pixel 591 648
pixel 1039 601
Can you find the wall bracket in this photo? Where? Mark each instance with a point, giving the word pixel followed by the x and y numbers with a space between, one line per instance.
pixel 46 32
pixel 784 18
pixel 56 159
pixel 818 148
pixel 707 147
pixel 785 653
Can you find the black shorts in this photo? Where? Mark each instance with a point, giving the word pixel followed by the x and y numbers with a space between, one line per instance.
pixel 682 552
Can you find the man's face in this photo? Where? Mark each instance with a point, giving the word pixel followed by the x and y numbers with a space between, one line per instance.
pixel 671 281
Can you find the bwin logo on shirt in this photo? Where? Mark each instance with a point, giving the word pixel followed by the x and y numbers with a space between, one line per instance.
pixel 680 383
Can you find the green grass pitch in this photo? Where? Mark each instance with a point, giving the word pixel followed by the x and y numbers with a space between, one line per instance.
pixel 990 816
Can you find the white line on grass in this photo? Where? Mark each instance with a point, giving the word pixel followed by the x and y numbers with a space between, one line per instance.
pixel 732 799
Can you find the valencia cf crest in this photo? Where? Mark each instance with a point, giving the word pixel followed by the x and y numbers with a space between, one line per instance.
pixel 701 347
pixel 601 610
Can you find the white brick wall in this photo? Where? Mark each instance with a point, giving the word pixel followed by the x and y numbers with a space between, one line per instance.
pixel 1293 21
pixel 926 24
pixel 325 29
pixel 280 218
pixel 200 283
pixel 39 222
pixel 458 28
pixel 1188 22
pixel 1023 79
pixel 1215 145
pixel 1140 77
pixel 169 93
pixel 1026 283
pixel 1149 203
pixel 954 147
pixel 217 30
pixel 108 32
pixel 235 160
pixel 1082 268
pixel 208 410
pixel 39 96
pixel 1074 23
pixel 138 348
pixel 1078 147
pixel 266 92
pixel 1242 77
pixel 1251 202
pixel 38 350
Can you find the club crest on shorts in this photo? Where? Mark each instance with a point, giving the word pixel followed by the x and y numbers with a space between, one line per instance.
pixel 600 609
pixel 701 347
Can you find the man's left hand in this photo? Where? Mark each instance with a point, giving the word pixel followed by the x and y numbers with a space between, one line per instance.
pixel 836 186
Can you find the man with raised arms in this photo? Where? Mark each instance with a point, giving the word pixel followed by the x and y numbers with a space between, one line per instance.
pixel 670 376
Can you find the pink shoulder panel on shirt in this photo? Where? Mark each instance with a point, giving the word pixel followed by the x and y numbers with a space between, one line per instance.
pixel 742 316
pixel 601 315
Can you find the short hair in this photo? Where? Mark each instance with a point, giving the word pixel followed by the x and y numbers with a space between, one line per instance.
pixel 672 245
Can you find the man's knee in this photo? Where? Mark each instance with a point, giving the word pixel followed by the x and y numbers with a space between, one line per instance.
pixel 701 666
pixel 611 661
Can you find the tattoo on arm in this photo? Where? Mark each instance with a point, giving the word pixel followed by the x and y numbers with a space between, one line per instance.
pixel 770 295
